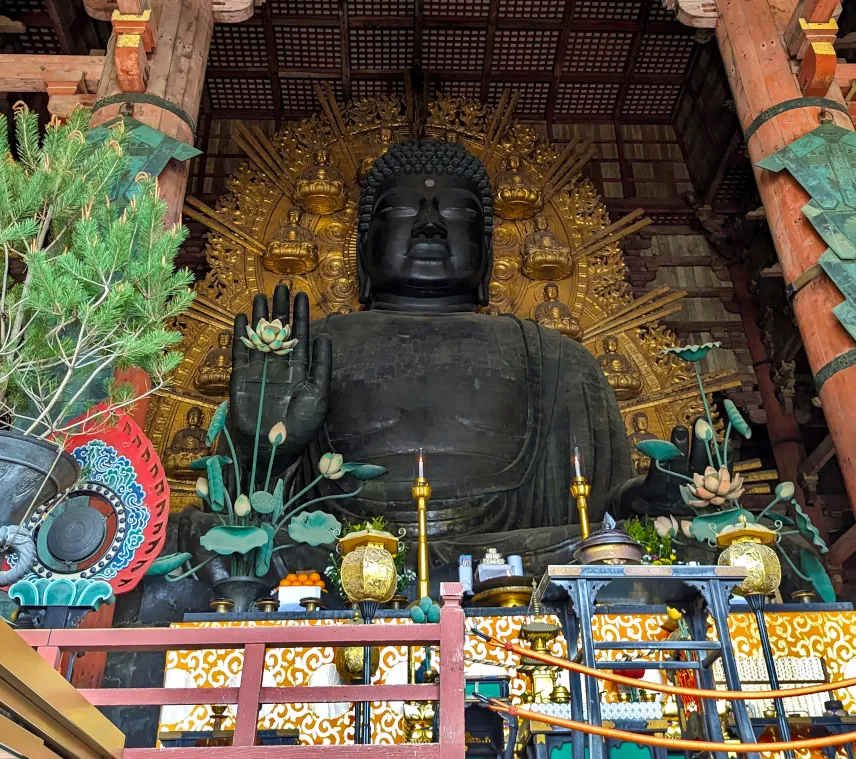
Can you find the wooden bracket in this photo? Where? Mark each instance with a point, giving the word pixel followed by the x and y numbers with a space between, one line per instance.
pixel 817 72
pixel 142 24
pixel 132 66
pixel 807 32
pixel 225 11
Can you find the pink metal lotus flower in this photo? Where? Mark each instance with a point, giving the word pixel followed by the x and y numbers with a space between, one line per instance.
pixel 713 488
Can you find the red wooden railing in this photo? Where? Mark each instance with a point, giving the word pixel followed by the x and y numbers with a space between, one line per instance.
pixel 449 634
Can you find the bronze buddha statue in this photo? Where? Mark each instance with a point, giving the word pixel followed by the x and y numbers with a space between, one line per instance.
pixel 320 188
pixel 623 377
pixel 187 445
pixel 212 377
pixel 545 256
pixel 496 403
pixel 553 314
pixel 641 462
pixel 293 251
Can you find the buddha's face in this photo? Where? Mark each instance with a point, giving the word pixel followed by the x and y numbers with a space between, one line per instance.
pixel 640 422
pixel 610 345
pixel 551 292
pixel 194 418
pixel 426 238
pixel 224 339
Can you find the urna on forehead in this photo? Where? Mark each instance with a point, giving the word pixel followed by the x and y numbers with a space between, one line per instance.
pixel 429 158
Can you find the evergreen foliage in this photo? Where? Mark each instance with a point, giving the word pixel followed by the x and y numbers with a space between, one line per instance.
pixel 100 285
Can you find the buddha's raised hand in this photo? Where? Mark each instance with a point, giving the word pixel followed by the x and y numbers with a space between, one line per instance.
pixel 297 391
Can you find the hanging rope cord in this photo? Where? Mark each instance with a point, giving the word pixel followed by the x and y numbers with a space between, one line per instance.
pixel 675 690
pixel 678 743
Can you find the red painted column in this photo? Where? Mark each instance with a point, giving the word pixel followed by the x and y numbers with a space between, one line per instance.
pixel 759 73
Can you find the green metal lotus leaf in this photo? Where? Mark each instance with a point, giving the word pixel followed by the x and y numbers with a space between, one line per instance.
pixel 364 472
pixel 202 464
pixel 813 569
pixel 93 593
pixel 708 526
pixel 216 489
pixel 163 565
pixel 279 504
pixel 736 419
pixel 314 528
pixel 264 554
pixel 218 422
pixel 807 529
pixel 228 539
pixel 263 502
pixel 659 450
pixel 693 353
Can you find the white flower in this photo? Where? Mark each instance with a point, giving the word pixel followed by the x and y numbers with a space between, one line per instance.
pixel 686 525
pixel 277 434
pixel 330 465
pixel 665 527
pixel 242 506
pixel 202 488
pixel 270 337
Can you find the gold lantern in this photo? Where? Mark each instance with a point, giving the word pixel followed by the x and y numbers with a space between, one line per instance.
pixel 748 546
pixel 368 565
pixel 349 662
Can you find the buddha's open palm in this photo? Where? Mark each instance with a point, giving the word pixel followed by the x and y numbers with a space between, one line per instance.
pixel 297 391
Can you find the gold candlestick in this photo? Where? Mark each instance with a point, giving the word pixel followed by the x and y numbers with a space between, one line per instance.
pixel 421 492
pixel 580 490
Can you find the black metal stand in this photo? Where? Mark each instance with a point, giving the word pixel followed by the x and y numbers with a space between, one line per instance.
pixel 363 729
pixel 758 602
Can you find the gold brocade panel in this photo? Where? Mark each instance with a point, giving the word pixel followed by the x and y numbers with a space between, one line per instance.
pixel 830 636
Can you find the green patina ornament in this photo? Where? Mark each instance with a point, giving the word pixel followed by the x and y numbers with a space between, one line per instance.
pixel 813 569
pixel 364 471
pixel 659 450
pixel 35 591
pixel 218 422
pixel 314 528
pixel 148 151
pixel 264 553
pixel 708 526
pixel 166 564
pixel 216 489
pixel 692 353
pixel 807 529
pixel 262 502
pixel 736 419
pixel 228 539
pixel 202 464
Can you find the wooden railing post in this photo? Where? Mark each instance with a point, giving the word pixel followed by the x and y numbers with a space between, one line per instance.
pixel 249 695
pixel 452 739
pixel 51 654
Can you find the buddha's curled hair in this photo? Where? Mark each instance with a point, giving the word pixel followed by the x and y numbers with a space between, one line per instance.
pixel 425 157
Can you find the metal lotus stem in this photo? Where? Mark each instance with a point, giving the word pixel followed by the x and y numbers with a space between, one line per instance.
pixel 580 489
pixel 421 492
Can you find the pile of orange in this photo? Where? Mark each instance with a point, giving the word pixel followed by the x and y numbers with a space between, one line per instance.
pixel 305 579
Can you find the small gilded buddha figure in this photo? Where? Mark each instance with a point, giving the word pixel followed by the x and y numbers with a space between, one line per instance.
pixel 620 373
pixel 641 463
pixel 212 378
pixel 378 145
pixel 320 188
pixel 516 194
pixel 553 314
pixel 187 446
pixel 545 256
pixel 293 251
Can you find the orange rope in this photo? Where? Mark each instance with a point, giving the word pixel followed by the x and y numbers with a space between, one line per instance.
pixel 680 743
pixel 676 690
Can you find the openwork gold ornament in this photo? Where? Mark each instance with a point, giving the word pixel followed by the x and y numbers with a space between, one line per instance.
pixel 748 546
pixel 320 189
pixel 294 250
pixel 368 565
pixel 349 662
pixel 516 195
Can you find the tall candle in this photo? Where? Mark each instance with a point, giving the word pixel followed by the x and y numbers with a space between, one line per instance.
pixel 420 464
pixel 577 458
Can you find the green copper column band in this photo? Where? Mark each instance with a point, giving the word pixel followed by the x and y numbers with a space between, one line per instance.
pixel 837 364
pixel 790 105
pixel 142 97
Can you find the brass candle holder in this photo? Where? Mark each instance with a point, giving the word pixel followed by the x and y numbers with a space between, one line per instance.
pixel 421 492
pixel 580 490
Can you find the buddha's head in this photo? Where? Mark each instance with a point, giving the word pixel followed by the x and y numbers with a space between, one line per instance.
pixel 513 163
pixel 425 228
pixel 542 223
pixel 224 339
pixel 610 344
pixel 194 417
pixel 551 291
pixel 640 422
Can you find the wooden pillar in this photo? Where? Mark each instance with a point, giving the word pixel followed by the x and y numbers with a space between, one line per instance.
pixel 176 74
pixel 759 72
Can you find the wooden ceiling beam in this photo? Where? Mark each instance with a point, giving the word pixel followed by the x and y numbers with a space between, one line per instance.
pixel 30 73
pixel 273 65
pixel 345 42
pixel 492 17
pixel 559 64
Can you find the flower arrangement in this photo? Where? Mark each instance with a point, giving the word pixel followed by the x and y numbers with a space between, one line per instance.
pixel 406 577
pixel 715 493
pixel 253 519
pixel 655 536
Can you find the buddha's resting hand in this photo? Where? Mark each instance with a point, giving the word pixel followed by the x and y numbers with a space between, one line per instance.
pixel 658 493
pixel 297 392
